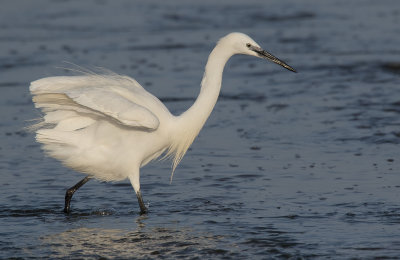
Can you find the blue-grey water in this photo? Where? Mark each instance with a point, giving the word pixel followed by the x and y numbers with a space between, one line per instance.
pixel 288 166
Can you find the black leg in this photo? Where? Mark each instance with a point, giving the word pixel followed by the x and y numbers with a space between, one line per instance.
pixel 143 209
pixel 71 191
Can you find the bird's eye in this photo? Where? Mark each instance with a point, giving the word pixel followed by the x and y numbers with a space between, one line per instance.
pixel 248 45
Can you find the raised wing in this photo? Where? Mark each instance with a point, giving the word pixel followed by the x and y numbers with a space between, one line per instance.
pixel 85 96
pixel 112 104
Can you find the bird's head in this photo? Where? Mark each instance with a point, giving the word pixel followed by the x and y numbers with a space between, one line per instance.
pixel 243 44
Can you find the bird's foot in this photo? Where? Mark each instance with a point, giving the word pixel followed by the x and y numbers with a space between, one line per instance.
pixel 143 211
pixel 67 210
pixel 143 208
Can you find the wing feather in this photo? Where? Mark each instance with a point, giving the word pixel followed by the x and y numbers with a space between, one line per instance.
pixel 114 105
pixel 98 96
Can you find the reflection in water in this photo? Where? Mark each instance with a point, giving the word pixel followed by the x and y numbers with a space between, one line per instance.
pixel 171 239
pixel 98 242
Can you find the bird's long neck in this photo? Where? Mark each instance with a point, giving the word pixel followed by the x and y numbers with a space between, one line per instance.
pixel 198 113
pixel 190 122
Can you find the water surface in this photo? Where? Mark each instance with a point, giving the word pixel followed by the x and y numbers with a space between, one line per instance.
pixel 288 166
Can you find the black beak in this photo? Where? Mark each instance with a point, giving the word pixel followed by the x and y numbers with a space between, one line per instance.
pixel 268 56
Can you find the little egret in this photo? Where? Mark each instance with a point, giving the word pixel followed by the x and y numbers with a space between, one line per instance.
pixel 108 126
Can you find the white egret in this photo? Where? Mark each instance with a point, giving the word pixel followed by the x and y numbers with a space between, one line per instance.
pixel 108 126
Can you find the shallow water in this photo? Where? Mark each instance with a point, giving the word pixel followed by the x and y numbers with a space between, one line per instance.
pixel 288 165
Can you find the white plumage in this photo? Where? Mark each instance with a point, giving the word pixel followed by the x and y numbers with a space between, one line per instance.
pixel 108 126
pixel 90 120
